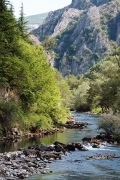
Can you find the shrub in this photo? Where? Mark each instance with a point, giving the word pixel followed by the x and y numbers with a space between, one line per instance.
pixel 10 112
pixel 111 123
pixel 97 110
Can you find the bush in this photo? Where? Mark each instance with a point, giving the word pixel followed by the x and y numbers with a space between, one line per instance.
pixel 10 112
pixel 97 110
pixel 111 123
pixel 11 115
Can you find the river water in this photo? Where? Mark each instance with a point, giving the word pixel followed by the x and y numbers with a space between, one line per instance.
pixel 75 165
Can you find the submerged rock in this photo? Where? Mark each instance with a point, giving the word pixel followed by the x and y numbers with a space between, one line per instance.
pixel 75 125
pixel 103 156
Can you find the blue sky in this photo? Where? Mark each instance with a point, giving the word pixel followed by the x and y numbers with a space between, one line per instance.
pixel 32 7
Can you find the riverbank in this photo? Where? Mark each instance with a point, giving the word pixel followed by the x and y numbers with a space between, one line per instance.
pixel 72 162
pixel 35 159
pixel 26 162
pixel 15 134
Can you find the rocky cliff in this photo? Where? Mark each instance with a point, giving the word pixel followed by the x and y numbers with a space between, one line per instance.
pixel 84 31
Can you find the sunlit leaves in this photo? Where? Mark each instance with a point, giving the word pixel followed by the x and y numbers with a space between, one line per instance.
pixel 24 68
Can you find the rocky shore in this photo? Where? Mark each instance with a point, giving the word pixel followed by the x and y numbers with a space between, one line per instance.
pixel 71 124
pixel 14 133
pixel 35 159
pixel 102 138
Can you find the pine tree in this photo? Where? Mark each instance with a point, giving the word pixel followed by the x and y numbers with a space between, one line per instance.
pixel 8 27
pixel 22 25
pixel 8 38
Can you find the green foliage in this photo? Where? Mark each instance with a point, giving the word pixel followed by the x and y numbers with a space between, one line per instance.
pixel 96 56
pixel 111 123
pixel 8 31
pixel 109 24
pixel 22 25
pixel 88 34
pixel 64 89
pixel 72 49
pixel 37 121
pixel 49 43
pixel 101 90
pixel 96 110
pixel 79 97
pixel 88 51
pixel 24 68
pixel 72 81
pixel 10 113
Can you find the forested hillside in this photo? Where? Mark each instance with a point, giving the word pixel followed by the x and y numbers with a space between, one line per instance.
pixel 98 89
pixel 30 93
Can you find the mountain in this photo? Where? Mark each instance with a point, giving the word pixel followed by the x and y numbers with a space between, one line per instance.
pixel 86 31
pixel 34 21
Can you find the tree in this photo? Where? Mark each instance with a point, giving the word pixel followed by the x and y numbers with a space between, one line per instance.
pixel 8 38
pixel 8 29
pixel 72 81
pixel 25 72
pixel 22 25
pixel 49 43
pixel 64 89
pixel 79 97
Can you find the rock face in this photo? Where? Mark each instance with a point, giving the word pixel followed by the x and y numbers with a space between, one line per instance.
pixel 84 31
pixel 47 28
pixel 118 34
pixel 65 19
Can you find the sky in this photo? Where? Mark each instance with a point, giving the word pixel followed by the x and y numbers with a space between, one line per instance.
pixel 32 7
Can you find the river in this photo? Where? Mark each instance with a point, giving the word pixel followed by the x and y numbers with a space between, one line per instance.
pixel 75 166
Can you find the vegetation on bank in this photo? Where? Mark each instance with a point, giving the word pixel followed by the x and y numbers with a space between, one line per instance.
pixel 98 91
pixel 34 94
pixel 111 124
pixel 30 92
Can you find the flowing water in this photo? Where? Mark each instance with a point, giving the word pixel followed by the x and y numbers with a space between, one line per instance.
pixel 75 166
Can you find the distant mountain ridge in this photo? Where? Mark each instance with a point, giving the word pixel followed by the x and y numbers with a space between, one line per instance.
pixel 85 30
pixel 34 21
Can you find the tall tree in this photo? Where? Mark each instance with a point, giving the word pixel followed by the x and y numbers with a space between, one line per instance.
pixel 8 28
pixel 22 24
pixel 8 37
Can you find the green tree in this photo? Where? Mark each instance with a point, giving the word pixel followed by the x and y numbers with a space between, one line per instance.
pixel 79 97
pixel 26 74
pixel 72 81
pixel 8 38
pixel 22 25
pixel 49 43
pixel 64 89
